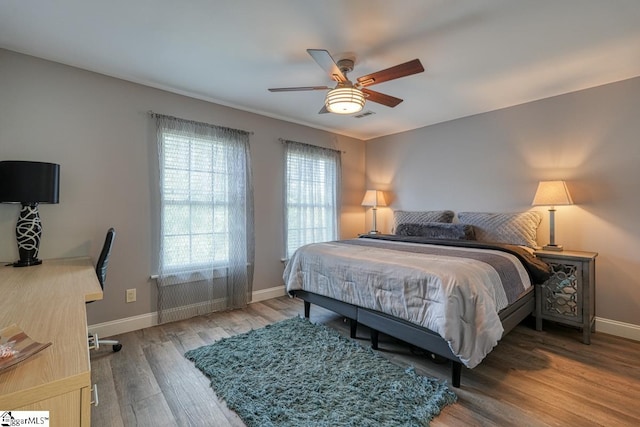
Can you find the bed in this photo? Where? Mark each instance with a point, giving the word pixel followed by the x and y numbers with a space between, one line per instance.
pixel 432 284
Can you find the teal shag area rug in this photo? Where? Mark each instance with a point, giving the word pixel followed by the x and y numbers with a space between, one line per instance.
pixel 296 373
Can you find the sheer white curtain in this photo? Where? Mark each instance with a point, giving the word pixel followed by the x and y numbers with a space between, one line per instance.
pixel 312 195
pixel 206 235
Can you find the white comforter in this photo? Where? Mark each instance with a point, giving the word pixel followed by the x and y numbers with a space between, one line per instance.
pixel 459 298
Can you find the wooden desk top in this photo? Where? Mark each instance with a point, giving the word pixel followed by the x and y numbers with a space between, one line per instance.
pixel 47 302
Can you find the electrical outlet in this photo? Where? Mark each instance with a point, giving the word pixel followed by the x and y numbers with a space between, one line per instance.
pixel 131 295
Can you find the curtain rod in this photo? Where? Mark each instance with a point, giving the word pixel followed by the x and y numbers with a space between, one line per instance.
pixel 284 141
pixel 154 114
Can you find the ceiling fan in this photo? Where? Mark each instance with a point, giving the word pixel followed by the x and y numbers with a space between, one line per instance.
pixel 347 97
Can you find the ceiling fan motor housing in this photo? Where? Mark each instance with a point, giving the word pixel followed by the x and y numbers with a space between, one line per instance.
pixel 345 65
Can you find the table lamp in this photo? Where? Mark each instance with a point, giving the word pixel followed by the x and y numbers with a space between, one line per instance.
pixel 29 183
pixel 552 193
pixel 374 198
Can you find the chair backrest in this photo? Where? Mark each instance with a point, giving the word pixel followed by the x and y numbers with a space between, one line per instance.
pixel 103 260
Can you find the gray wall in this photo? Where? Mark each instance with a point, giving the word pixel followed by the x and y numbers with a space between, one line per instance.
pixel 97 128
pixel 493 161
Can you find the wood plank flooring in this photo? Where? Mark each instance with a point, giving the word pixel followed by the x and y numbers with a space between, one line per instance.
pixel 531 378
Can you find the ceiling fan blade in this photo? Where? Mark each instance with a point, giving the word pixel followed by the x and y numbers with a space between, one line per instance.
pixel 324 110
pixel 293 89
pixel 327 63
pixel 402 70
pixel 381 98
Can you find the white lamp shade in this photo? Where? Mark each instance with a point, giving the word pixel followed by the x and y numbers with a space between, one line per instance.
pixel 344 100
pixel 552 193
pixel 374 198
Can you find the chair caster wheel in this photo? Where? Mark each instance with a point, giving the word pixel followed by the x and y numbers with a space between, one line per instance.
pixel 117 348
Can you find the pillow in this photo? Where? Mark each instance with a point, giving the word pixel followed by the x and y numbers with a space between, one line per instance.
pixel 437 230
pixel 407 217
pixel 511 228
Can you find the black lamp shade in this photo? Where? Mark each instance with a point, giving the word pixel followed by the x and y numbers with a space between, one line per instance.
pixel 29 182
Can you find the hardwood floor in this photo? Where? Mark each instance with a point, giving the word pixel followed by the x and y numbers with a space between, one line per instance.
pixel 531 378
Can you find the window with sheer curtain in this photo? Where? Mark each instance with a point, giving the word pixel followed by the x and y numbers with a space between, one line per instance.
pixel 312 195
pixel 206 216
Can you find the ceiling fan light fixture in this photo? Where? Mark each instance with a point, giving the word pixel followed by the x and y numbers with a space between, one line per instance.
pixel 344 100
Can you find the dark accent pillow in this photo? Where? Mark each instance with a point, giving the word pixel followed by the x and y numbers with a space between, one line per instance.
pixel 437 230
pixel 420 217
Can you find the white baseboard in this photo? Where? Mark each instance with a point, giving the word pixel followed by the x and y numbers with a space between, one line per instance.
pixel 265 294
pixel 134 323
pixel 619 329
pixel 122 326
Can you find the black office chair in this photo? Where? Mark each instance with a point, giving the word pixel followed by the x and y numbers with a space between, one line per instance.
pixel 101 272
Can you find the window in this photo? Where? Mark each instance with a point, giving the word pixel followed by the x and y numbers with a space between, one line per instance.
pixel 206 207
pixel 195 212
pixel 312 195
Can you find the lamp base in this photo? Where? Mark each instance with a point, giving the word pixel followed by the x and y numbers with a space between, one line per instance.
pixel 27 263
pixel 557 248
pixel 28 234
pixel 373 232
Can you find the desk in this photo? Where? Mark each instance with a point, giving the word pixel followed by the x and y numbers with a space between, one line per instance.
pixel 47 302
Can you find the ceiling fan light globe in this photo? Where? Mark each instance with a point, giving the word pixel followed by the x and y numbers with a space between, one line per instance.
pixel 344 100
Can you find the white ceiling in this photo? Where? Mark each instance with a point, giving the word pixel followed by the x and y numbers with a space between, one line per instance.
pixel 479 55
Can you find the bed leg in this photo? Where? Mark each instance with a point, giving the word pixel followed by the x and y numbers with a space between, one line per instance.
pixel 374 339
pixel 353 325
pixel 456 373
pixel 307 309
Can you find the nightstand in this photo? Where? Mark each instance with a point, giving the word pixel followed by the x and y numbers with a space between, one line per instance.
pixel 569 296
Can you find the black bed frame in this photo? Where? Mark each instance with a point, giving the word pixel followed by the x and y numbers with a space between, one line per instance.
pixel 413 334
